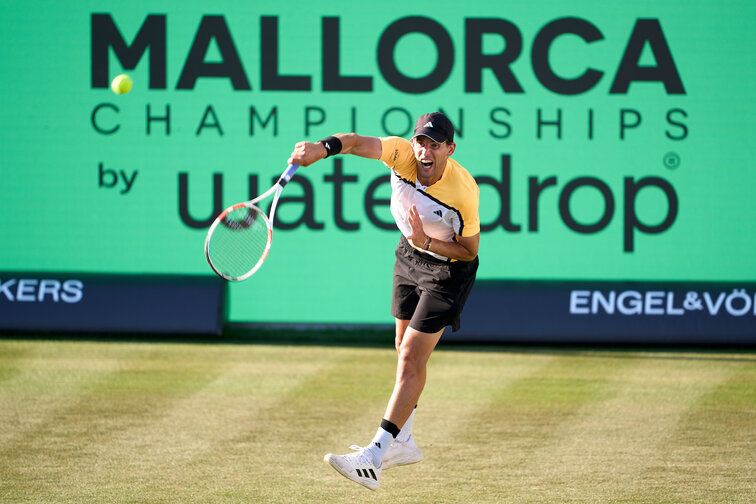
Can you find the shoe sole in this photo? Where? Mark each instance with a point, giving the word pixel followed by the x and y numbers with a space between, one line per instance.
pixel 333 463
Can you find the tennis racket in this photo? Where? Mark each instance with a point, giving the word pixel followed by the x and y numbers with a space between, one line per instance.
pixel 239 239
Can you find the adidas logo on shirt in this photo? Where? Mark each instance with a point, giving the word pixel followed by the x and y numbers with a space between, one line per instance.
pixel 439 213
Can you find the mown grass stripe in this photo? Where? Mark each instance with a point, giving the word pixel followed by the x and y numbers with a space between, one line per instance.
pixel 327 412
pixel 12 356
pixel 606 449
pixel 101 408
pixel 250 423
pixel 244 431
pixel 711 456
pixel 47 378
pixel 518 417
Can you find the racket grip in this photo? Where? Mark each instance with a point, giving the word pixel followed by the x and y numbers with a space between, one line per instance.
pixel 287 174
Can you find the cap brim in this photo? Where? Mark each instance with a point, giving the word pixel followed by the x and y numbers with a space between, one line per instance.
pixel 434 135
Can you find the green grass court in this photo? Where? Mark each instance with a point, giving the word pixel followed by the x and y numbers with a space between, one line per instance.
pixel 248 421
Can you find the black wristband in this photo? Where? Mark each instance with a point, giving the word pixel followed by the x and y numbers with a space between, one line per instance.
pixel 332 145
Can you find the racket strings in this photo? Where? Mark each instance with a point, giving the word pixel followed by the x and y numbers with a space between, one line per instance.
pixel 239 242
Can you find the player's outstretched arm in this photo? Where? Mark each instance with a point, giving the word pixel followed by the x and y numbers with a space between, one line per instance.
pixel 306 153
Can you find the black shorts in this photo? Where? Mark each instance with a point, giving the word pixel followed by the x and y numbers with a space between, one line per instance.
pixel 428 292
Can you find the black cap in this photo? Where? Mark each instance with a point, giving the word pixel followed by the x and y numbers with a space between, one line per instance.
pixel 435 126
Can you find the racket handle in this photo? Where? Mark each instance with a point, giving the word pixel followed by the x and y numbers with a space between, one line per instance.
pixel 286 176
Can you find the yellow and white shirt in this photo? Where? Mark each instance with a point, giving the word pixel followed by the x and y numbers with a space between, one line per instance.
pixel 447 208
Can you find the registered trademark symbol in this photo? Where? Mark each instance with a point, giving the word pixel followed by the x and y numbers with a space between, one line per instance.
pixel 671 160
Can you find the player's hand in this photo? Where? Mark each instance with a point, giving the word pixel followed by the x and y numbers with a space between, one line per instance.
pixel 306 153
pixel 418 237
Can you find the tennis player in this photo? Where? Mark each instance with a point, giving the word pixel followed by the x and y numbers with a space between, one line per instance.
pixel 434 201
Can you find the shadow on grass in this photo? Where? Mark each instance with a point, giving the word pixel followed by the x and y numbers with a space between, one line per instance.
pixel 383 337
pixel 378 338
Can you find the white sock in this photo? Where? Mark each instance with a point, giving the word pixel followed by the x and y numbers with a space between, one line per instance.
pixel 379 445
pixel 406 431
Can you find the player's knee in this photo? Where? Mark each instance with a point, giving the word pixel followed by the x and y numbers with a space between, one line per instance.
pixel 410 363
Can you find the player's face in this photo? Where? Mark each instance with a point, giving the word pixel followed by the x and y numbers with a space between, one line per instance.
pixel 431 158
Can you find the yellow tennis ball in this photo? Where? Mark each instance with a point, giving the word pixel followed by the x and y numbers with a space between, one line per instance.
pixel 121 84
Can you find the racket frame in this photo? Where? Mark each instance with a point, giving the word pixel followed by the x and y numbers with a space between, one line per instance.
pixel 251 204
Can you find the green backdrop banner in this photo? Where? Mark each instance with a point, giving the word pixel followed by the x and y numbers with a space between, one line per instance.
pixel 610 141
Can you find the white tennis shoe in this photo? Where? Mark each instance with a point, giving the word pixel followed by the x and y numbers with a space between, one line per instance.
pixel 399 454
pixel 357 466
